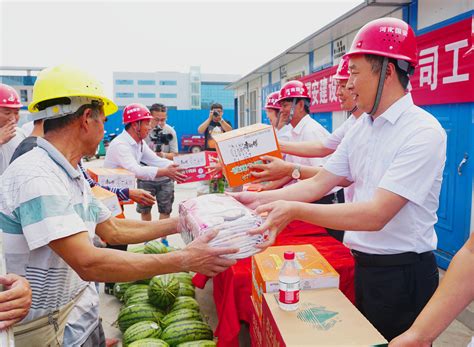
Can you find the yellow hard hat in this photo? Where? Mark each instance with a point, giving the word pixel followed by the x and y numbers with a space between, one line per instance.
pixel 68 81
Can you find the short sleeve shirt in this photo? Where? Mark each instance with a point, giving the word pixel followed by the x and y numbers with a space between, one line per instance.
pixel 403 151
pixel 42 199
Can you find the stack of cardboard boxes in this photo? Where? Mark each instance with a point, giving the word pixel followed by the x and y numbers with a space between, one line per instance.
pixel 325 317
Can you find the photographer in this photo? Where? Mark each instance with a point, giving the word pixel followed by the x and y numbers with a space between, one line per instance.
pixel 163 140
pixel 214 125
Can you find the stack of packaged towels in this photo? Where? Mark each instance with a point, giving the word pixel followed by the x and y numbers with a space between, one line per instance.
pixel 222 212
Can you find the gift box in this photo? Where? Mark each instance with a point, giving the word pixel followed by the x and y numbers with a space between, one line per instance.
pixel 325 317
pixel 116 178
pixel 239 148
pixel 194 165
pixel 315 271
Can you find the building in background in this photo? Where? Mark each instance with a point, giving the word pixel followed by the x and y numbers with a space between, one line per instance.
pixel 180 91
pixel 22 79
pixel 443 84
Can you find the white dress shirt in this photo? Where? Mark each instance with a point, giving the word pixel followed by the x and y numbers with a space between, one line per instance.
pixel 333 141
pixel 402 151
pixel 306 130
pixel 7 149
pixel 335 138
pixel 124 152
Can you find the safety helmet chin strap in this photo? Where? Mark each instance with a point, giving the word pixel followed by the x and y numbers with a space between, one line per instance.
pixel 292 111
pixel 353 109
pixel 138 134
pixel 278 119
pixel 383 72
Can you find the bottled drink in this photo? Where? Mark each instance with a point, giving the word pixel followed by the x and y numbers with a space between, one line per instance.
pixel 289 279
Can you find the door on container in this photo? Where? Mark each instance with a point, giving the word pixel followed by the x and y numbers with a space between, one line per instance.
pixel 454 211
pixel 253 107
pixel 242 110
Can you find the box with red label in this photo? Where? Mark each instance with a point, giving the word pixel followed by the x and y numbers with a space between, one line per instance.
pixel 315 271
pixel 241 147
pixel 325 317
pixel 255 327
pixel 194 165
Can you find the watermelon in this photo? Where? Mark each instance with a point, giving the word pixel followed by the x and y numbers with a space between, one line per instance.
pixel 141 330
pixel 120 288
pixel 186 331
pixel 180 315
pixel 184 277
pixel 135 313
pixel 149 342
pixel 137 249
pixel 137 298
pixel 198 343
pixel 134 289
pixel 186 290
pixel 185 302
pixel 163 290
pixel 155 247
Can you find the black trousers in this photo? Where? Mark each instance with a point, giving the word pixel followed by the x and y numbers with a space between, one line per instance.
pixel 391 297
pixel 334 198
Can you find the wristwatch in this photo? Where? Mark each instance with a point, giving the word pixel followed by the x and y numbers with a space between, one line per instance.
pixel 296 173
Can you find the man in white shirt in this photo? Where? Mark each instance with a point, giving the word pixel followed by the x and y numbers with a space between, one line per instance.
pixel 10 134
pixel 129 150
pixel 395 156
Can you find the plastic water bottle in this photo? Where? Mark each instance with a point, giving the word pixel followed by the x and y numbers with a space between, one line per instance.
pixel 289 279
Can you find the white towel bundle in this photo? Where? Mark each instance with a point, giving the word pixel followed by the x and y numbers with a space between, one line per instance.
pixel 224 213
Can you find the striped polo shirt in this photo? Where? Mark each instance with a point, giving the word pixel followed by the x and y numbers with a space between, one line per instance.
pixel 43 198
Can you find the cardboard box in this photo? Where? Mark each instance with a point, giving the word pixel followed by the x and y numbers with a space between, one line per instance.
pixel 241 147
pixel 325 317
pixel 194 165
pixel 109 199
pixel 117 178
pixel 315 271
pixel 255 327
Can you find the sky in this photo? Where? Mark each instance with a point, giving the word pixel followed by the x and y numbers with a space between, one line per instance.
pixel 231 37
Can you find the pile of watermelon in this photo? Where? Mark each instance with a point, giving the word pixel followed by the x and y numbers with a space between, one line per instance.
pixel 161 311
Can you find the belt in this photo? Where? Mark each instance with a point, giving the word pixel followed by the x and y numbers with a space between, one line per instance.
pixel 407 258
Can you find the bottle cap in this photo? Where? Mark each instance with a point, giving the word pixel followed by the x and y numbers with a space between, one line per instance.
pixel 289 255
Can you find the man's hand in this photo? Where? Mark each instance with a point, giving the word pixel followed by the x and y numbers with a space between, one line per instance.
pixel 249 199
pixel 7 132
pixel 15 301
pixel 215 167
pixel 198 256
pixel 409 339
pixel 141 197
pixel 173 171
pixel 279 214
pixel 275 169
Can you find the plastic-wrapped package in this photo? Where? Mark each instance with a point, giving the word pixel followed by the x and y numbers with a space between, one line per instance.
pixel 222 212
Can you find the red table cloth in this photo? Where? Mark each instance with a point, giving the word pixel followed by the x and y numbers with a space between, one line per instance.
pixel 232 288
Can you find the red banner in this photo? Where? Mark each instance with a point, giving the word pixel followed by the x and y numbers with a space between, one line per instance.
pixel 322 88
pixel 444 75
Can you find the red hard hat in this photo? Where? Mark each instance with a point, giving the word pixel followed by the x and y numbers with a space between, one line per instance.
pixel 293 89
pixel 9 97
pixel 342 72
pixel 387 37
pixel 135 112
pixel 272 101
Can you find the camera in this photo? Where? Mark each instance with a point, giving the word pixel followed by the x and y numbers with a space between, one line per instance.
pixel 215 113
pixel 159 138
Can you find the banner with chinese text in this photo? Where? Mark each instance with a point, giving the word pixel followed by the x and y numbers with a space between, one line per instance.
pixel 444 74
pixel 322 88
